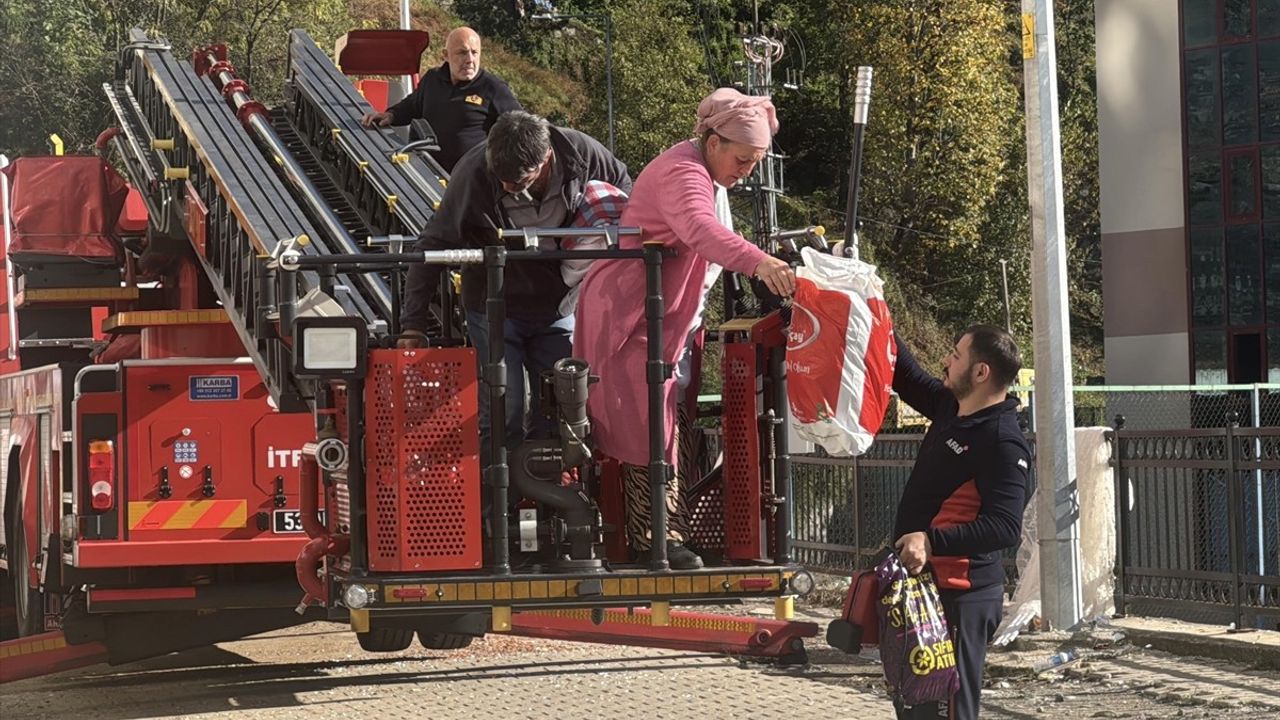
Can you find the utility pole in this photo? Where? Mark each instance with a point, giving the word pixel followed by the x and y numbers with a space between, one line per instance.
pixel 406 81
pixel 1057 494
pixel 1004 276
pixel 861 109
pixel 763 49
pixel 766 183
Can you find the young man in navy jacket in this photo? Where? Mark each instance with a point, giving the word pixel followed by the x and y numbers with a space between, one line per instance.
pixel 962 506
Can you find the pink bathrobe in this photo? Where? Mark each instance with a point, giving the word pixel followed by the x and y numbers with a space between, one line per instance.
pixel 673 201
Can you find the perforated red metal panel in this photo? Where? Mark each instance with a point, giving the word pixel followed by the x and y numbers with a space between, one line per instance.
pixel 706 519
pixel 423 457
pixel 744 537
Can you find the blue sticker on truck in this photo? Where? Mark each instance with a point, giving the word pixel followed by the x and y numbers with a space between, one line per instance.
pixel 215 387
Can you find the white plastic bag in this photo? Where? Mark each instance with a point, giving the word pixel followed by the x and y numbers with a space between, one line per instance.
pixel 840 353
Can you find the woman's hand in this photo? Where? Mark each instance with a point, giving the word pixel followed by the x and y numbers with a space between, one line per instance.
pixel 777 275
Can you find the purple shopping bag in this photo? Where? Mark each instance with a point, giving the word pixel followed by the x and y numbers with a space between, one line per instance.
pixel 915 647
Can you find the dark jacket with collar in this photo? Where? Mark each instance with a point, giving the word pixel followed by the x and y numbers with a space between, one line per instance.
pixel 460 115
pixel 968 488
pixel 470 210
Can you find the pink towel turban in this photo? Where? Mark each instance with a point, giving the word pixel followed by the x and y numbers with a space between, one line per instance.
pixel 748 119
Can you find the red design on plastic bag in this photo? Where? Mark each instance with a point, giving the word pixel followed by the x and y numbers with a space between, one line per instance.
pixel 815 350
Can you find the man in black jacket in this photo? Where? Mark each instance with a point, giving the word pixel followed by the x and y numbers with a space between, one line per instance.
pixel 460 100
pixel 526 174
pixel 962 506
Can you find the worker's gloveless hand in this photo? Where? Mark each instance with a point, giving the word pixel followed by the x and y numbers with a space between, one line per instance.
pixel 914 551
pixel 376 119
pixel 777 275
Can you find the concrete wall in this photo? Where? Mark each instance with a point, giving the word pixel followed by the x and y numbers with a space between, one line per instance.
pixel 1147 359
pixel 1141 192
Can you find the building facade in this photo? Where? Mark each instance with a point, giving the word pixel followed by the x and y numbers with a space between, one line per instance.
pixel 1189 165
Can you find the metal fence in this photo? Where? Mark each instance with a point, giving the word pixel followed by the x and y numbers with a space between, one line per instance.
pixel 1198 498
pixel 1167 407
pixel 1146 407
pixel 844 508
pixel 1198 524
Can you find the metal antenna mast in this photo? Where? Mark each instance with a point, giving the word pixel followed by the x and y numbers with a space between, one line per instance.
pixel 763 48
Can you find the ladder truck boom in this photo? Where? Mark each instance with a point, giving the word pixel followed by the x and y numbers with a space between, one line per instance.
pixel 243 184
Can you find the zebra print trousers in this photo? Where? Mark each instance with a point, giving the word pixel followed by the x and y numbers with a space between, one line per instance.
pixel 635 490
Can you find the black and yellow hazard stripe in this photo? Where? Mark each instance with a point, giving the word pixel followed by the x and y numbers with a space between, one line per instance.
pixel 641 588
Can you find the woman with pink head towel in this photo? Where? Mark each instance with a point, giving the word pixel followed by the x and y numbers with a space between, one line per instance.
pixel 673 203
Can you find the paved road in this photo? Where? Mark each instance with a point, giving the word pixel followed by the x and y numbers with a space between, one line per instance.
pixel 318 671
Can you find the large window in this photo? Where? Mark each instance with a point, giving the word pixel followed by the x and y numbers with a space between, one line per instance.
pixel 1231 105
pixel 1207 275
pixel 1244 268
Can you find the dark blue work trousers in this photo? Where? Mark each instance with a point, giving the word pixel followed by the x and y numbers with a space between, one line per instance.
pixel 972 617
pixel 532 347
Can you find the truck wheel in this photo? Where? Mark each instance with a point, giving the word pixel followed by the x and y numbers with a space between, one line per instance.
pixel 443 641
pixel 385 639
pixel 28 604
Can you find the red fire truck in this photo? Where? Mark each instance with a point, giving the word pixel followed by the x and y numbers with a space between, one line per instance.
pixel 206 425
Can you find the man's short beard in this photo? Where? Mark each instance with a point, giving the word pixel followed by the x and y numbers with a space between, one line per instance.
pixel 961 383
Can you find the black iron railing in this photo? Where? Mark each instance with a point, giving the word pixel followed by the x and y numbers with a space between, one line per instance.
pixel 845 507
pixel 1198 523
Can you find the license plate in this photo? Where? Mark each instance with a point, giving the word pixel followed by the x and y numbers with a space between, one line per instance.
pixel 289 521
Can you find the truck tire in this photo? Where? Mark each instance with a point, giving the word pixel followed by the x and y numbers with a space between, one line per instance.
pixel 443 641
pixel 28 605
pixel 385 639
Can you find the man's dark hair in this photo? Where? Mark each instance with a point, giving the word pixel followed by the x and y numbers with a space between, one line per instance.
pixel 996 348
pixel 517 144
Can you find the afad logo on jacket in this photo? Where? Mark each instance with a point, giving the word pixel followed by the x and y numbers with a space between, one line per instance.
pixel 475 100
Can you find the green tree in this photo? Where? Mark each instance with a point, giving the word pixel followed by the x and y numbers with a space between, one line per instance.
pixel 945 188
pixel 938 154
pixel 658 70
pixel 60 52
pixel 658 79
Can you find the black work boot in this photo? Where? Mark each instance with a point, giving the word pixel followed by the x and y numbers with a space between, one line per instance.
pixel 682 558
pixel 679 557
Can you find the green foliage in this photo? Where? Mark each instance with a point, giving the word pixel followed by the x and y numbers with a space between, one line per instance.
pixel 658 74
pixel 944 197
pixel 942 115
pixel 658 80
pixel 60 52
pixel 942 152
pixel 497 19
